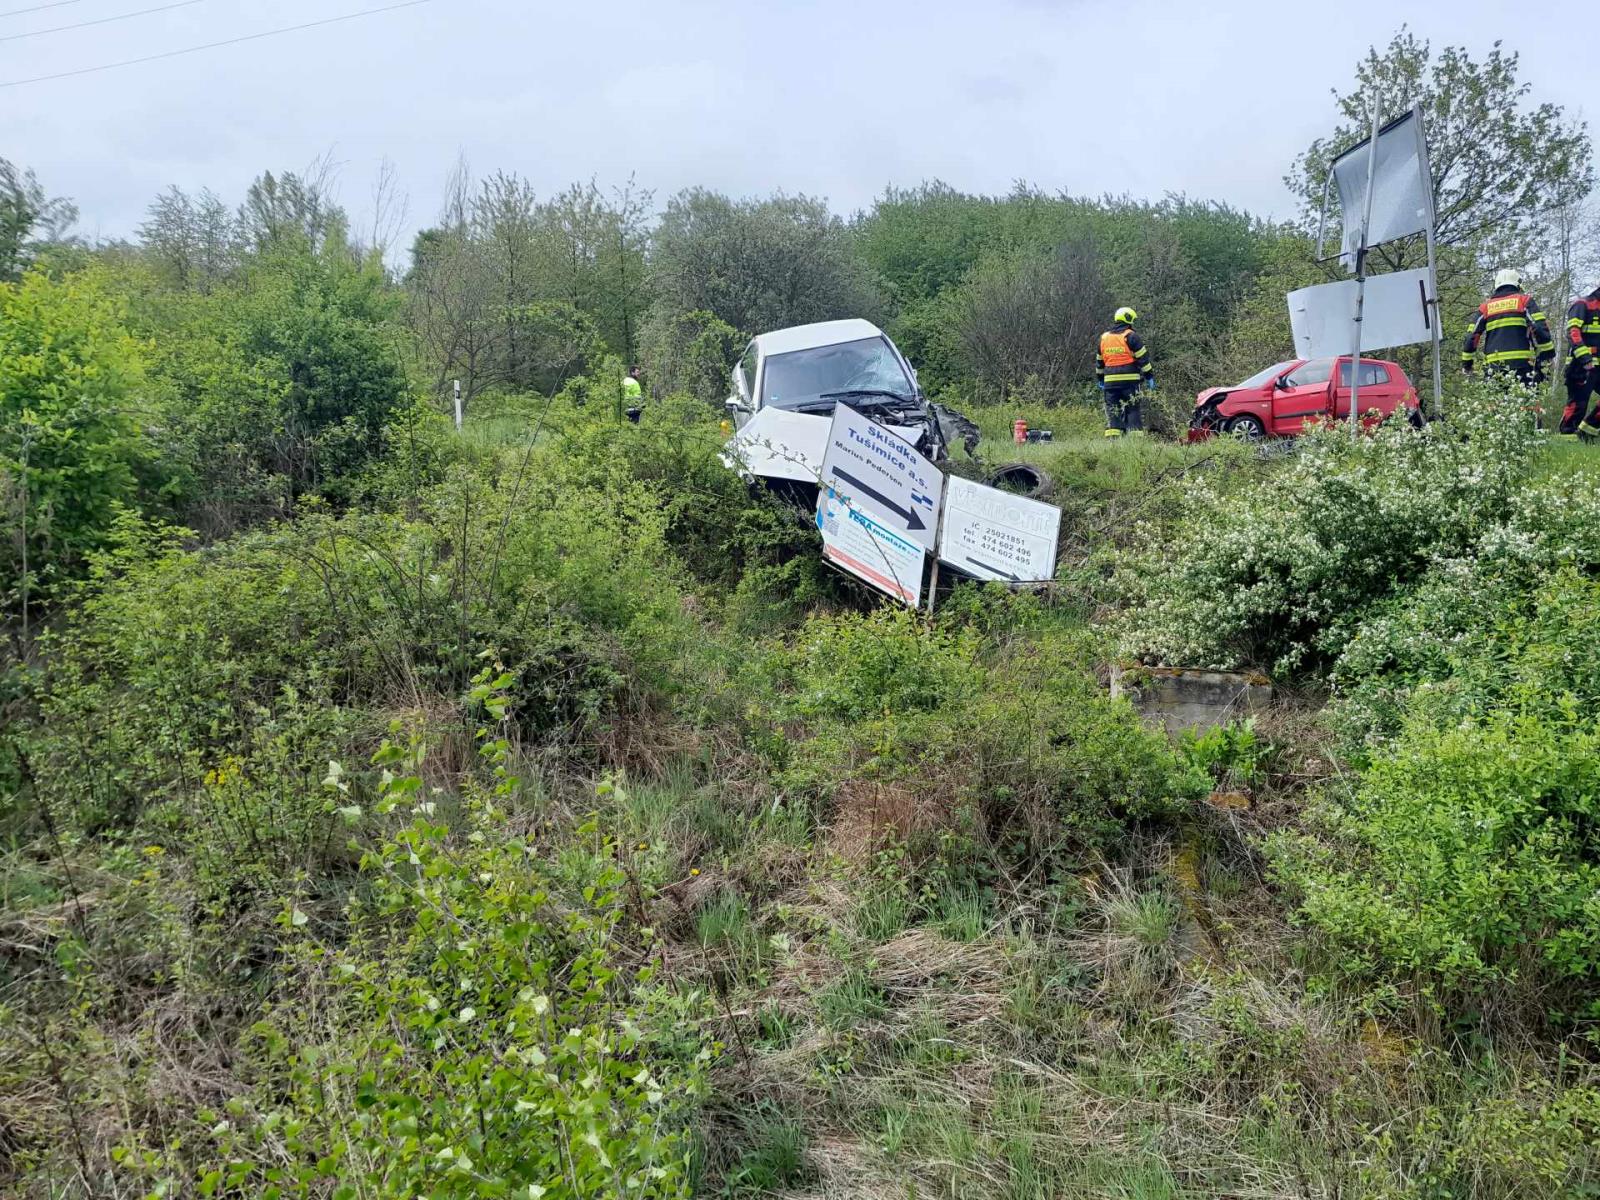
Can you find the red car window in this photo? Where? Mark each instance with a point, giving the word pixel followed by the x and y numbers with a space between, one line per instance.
pixel 1372 374
pixel 1318 370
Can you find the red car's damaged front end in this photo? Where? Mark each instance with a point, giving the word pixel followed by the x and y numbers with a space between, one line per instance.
pixel 1287 397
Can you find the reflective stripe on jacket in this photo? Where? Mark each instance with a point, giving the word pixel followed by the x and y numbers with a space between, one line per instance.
pixel 1122 356
pixel 1510 328
pixel 1583 328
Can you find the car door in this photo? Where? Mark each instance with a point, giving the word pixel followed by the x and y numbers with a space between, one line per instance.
pixel 1379 394
pixel 1300 395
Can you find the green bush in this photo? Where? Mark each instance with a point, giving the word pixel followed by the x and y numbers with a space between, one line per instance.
pixel 293 638
pixel 1468 859
pixel 1232 754
pixel 691 354
pixel 279 384
pixel 1469 855
pixel 70 439
pixel 173 659
pixel 1516 596
pixel 881 664
pixel 744 544
pixel 479 1030
pixel 1281 572
pixel 1018 734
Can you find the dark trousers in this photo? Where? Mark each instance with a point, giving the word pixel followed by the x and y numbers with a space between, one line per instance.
pixel 1580 389
pixel 1122 408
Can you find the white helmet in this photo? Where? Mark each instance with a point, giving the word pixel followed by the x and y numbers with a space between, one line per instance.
pixel 1507 277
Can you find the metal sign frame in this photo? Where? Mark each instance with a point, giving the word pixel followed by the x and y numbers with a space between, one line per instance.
pixel 1370 145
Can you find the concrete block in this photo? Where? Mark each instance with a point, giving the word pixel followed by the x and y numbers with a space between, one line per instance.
pixel 1177 699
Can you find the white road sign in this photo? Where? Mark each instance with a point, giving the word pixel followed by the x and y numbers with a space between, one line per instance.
pixel 1402 186
pixel 990 534
pixel 882 476
pixel 1395 313
pixel 856 540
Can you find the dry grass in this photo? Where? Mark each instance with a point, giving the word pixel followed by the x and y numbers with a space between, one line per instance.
pixel 927 977
pixel 869 816
pixel 846 1168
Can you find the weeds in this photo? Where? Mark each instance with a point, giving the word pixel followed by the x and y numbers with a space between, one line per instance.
pixel 837 905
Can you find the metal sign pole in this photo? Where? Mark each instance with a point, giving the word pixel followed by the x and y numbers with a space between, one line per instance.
pixel 938 540
pixel 1361 268
pixel 1425 164
pixel 1438 326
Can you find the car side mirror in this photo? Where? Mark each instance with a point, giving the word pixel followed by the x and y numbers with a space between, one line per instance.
pixel 735 405
pixel 1281 383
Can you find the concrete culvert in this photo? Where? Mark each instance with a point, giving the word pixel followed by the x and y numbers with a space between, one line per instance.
pixel 1024 479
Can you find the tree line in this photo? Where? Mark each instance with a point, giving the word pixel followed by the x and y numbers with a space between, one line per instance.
pixel 235 357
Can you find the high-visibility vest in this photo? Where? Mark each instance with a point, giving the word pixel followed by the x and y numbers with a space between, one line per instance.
pixel 1120 363
pixel 1115 351
pixel 1508 336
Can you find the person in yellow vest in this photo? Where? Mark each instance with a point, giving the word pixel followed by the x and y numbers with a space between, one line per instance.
pixel 1122 365
pixel 632 394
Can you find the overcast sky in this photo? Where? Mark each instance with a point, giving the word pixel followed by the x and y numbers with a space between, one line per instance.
pixel 828 98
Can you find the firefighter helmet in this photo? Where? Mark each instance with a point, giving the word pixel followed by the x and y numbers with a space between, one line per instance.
pixel 1125 316
pixel 1507 277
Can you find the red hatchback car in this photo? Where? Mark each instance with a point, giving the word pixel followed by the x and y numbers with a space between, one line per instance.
pixel 1279 401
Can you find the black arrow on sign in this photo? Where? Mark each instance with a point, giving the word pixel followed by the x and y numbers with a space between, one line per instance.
pixel 908 515
pixel 1004 574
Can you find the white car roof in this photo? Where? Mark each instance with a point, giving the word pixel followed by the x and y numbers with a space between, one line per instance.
pixel 823 333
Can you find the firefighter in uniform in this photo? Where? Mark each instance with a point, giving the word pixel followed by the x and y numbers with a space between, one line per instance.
pixel 1583 341
pixel 1122 364
pixel 1512 332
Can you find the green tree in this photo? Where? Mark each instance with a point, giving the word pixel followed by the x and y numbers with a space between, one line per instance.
pixel 28 219
pixel 69 376
pixel 1032 314
pixel 279 383
pixel 759 264
pixel 500 258
pixel 1499 161
pixel 692 353
pixel 193 241
pixel 293 208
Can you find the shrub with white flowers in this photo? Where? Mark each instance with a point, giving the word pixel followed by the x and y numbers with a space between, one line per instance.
pixel 1281 572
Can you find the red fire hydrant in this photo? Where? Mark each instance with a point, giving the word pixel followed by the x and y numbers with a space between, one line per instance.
pixel 1019 431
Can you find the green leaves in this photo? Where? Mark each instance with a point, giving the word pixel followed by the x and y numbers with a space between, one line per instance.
pixel 70 446
pixel 486 1019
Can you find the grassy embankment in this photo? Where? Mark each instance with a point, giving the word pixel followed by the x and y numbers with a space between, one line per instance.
pixel 945 920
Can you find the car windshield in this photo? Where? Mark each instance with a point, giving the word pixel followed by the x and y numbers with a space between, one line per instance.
pixel 801 378
pixel 1261 377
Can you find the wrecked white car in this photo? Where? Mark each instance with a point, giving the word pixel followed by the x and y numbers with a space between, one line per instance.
pixel 788 383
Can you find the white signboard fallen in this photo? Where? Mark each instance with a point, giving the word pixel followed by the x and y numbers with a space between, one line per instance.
pixel 855 540
pixel 994 535
pixel 883 477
